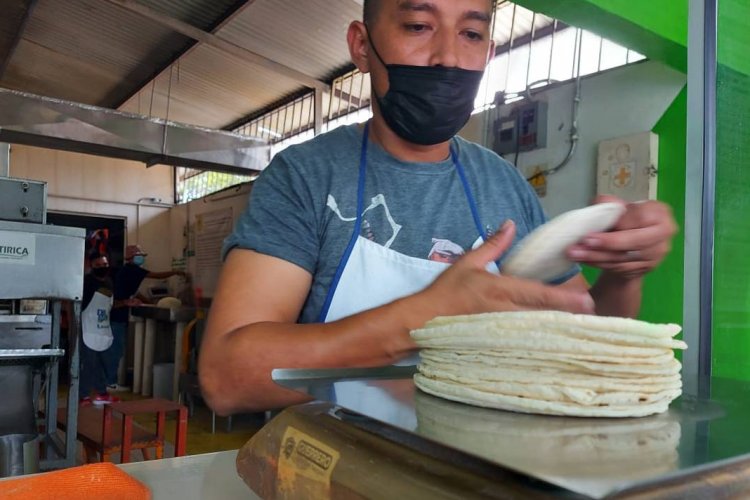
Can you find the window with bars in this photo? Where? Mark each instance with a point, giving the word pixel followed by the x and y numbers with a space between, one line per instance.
pixel 532 51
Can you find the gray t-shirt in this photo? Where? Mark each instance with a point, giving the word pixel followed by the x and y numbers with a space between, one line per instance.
pixel 303 206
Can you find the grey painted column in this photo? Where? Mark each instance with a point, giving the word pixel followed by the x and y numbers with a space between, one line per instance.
pixel 699 196
pixel 318 110
pixel 4 159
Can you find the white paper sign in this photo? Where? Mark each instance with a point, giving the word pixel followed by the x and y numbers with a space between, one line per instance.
pixel 17 248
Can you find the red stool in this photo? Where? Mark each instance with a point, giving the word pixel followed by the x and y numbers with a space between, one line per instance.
pixel 158 406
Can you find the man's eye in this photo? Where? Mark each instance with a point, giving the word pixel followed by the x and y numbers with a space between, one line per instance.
pixel 474 36
pixel 416 28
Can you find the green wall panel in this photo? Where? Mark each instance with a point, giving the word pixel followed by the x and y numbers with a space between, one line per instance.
pixel 731 328
pixel 663 288
pixel 662 292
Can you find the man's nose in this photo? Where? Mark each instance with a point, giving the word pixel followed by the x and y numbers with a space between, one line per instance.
pixel 444 49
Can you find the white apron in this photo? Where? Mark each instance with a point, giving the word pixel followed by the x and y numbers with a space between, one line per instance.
pixel 97 333
pixel 370 275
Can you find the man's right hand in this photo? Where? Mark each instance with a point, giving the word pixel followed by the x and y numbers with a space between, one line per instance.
pixel 467 288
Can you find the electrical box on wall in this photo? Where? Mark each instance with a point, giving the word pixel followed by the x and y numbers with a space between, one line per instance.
pixel 627 166
pixel 525 129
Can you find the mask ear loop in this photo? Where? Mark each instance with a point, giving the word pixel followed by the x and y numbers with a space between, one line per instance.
pixel 372 45
pixel 377 54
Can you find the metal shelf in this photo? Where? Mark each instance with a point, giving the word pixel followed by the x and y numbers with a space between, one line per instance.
pixel 31 353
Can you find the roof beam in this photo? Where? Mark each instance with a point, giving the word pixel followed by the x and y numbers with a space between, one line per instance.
pixel 13 22
pixel 120 98
pixel 219 43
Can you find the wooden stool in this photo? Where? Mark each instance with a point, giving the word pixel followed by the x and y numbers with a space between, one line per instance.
pixel 112 429
pixel 159 406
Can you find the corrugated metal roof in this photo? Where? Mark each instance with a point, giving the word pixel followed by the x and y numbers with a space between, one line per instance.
pixel 94 52
pixel 309 36
pixel 210 88
pixel 202 14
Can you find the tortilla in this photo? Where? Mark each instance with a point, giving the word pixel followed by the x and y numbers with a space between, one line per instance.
pixel 447 358
pixel 542 254
pixel 533 341
pixel 535 319
pixel 552 363
pixel 457 392
pixel 490 329
pixel 595 383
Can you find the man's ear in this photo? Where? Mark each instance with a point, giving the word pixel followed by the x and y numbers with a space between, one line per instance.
pixel 359 47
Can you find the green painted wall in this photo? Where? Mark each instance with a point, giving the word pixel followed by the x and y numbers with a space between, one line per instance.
pixel 662 290
pixel 731 332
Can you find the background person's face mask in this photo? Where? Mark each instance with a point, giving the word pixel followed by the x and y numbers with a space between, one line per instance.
pixel 139 260
pixel 427 104
pixel 100 272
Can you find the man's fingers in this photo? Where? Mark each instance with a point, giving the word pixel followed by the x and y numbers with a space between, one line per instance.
pixel 596 257
pixel 493 248
pixel 526 294
pixel 608 198
pixel 629 239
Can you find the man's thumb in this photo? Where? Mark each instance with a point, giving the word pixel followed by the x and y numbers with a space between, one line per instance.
pixel 493 247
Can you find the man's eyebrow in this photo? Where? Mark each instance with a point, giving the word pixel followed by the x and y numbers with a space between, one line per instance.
pixel 409 5
pixel 414 6
pixel 475 15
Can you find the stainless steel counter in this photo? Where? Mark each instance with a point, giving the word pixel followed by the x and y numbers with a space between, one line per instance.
pixel 210 475
pixel 592 457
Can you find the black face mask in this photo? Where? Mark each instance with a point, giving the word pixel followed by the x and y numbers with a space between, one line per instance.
pixel 427 104
pixel 100 272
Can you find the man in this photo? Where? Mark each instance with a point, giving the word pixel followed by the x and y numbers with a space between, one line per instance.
pixel 97 333
pixel 304 287
pixel 127 281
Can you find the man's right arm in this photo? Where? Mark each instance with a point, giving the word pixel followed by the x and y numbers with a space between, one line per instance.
pixel 252 325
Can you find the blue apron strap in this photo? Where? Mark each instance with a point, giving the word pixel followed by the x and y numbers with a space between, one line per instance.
pixel 357 227
pixel 469 195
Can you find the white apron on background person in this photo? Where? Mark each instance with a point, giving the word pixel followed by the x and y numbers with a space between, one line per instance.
pixel 97 332
pixel 370 275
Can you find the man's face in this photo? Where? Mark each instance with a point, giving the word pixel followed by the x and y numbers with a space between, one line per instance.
pixel 451 33
pixel 100 262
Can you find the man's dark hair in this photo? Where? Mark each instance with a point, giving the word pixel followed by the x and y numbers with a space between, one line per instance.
pixel 370 10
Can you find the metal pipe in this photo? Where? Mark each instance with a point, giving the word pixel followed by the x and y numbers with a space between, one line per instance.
pixel 696 320
pixel 574 125
pixel 551 50
pixel 708 198
pixel 531 46
pixel 158 204
pixel 510 48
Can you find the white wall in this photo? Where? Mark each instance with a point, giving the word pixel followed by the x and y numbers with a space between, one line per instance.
pixel 234 199
pixel 95 185
pixel 619 102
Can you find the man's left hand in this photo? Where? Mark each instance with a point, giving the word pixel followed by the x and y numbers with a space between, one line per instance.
pixel 635 245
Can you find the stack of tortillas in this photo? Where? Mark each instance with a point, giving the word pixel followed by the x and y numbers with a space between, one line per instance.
pixel 552 363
